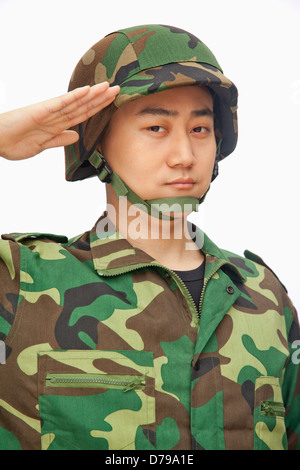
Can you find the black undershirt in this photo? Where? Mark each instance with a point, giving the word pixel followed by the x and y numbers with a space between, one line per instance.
pixel 193 281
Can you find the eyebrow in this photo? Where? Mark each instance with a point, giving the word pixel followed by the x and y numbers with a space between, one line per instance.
pixel 202 112
pixel 156 111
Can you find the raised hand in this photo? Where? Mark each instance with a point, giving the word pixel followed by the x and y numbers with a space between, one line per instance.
pixel 27 131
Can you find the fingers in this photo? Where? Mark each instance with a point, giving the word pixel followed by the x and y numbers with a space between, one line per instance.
pixel 40 126
pixel 70 100
pixel 77 106
pixel 75 98
pixel 85 96
pixel 66 100
pixel 61 140
pixel 85 107
pixel 80 104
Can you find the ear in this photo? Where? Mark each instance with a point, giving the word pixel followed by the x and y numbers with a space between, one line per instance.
pixel 101 142
pixel 216 164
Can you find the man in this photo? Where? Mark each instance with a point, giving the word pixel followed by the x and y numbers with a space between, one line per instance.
pixel 142 333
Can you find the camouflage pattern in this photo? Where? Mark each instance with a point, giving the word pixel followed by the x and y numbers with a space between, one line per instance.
pixel 92 363
pixel 144 60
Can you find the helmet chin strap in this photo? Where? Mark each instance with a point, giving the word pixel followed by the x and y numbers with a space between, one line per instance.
pixel 152 207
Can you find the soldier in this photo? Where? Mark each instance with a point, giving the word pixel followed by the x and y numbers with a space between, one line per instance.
pixel 141 333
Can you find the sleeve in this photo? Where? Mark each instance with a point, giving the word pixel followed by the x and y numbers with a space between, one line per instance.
pixel 9 284
pixel 291 381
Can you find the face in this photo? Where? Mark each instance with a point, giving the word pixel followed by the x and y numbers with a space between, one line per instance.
pixel 163 145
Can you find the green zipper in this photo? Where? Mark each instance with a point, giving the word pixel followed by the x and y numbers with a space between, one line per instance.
pixel 179 282
pixel 122 382
pixel 195 312
pixel 221 263
pixel 186 292
pixel 272 408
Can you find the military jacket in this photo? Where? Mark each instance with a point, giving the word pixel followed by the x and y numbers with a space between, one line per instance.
pixel 105 349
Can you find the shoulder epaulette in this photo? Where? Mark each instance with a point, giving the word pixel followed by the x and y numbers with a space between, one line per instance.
pixel 257 259
pixel 21 237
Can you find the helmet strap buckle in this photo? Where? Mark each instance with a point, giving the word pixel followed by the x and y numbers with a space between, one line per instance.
pixel 103 169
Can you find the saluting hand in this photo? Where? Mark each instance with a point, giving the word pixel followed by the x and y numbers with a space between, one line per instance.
pixel 27 131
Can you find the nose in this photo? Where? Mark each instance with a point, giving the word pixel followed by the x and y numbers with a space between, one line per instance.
pixel 181 151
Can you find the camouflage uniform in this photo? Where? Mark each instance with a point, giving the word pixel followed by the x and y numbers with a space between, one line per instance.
pixel 105 348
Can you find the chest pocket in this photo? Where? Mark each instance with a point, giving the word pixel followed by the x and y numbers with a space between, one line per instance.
pixel 96 400
pixel 269 412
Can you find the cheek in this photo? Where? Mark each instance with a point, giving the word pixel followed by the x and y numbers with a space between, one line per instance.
pixel 133 159
pixel 207 156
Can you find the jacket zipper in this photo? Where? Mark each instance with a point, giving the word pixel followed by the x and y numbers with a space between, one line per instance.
pixel 182 287
pixel 221 263
pixel 272 408
pixel 125 383
pixel 179 282
pixel 195 312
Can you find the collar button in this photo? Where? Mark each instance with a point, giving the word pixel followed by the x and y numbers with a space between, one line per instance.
pixel 230 290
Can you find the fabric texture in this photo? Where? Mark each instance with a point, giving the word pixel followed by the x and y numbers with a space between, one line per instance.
pixel 106 350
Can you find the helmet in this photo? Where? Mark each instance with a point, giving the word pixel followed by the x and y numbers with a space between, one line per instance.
pixel 143 60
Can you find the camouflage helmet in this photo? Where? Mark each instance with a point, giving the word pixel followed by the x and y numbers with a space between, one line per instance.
pixel 143 60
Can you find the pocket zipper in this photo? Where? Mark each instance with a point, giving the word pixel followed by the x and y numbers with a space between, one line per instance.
pixel 272 408
pixel 123 382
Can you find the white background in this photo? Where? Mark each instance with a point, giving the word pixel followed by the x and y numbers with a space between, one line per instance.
pixel 254 203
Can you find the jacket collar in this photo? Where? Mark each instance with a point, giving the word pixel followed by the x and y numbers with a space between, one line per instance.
pixel 112 254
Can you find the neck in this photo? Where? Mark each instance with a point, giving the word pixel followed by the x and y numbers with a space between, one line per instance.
pixel 166 240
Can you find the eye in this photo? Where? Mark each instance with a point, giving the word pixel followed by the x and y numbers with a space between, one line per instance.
pixel 156 129
pixel 200 129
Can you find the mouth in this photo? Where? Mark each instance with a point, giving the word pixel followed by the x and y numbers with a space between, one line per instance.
pixel 182 183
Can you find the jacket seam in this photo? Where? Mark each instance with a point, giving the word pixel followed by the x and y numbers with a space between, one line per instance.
pixel 20 305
